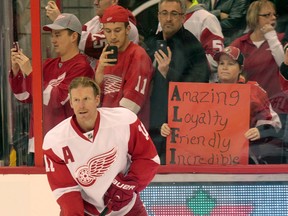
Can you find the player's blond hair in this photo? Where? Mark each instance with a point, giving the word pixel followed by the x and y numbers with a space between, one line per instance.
pixel 84 82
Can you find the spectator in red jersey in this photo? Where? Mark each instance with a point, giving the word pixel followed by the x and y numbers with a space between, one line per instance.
pixel 264 54
pixel 99 157
pixel 264 121
pixel 57 73
pixel 127 82
pixel 93 39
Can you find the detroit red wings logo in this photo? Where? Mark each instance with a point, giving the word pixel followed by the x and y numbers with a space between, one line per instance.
pixel 86 175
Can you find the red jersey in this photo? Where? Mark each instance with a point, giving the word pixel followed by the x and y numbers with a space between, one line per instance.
pixel 81 166
pixel 127 83
pixel 261 65
pixel 261 111
pixel 57 76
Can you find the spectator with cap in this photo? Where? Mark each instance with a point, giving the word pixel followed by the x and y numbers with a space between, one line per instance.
pixel 57 73
pixel 184 61
pixel 126 83
pixel 93 38
pixel 264 121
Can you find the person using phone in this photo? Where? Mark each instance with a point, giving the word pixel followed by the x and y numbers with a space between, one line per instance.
pixel 92 37
pixel 126 83
pixel 57 74
pixel 186 62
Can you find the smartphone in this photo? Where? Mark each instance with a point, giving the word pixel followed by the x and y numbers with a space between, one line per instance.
pixel 16 45
pixel 162 45
pixel 114 55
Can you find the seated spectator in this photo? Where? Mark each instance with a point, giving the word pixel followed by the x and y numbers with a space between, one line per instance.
pixel 184 60
pixel 264 54
pixel 231 14
pixel 93 39
pixel 206 28
pixel 264 122
pixel 127 82
pixel 57 73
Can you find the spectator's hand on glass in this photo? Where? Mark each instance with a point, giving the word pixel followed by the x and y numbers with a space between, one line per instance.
pixel 165 130
pixel 52 11
pixel 163 61
pixel 252 134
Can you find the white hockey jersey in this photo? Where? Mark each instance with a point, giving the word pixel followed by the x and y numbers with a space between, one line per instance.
pixel 81 166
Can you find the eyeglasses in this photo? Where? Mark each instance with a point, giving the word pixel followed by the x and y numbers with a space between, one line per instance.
pixel 173 14
pixel 268 15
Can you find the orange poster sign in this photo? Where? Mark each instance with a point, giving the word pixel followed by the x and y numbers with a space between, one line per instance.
pixel 208 122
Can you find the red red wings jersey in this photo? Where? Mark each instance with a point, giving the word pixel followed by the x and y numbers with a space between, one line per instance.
pixel 261 109
pixel 206 28
pixel 57 76
pixel 127 83
pixel 81 166
pixel 93 39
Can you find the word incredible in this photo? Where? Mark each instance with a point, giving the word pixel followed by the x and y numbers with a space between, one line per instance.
pixel 226 98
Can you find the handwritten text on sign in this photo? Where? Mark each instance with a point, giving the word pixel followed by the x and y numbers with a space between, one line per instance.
pixel 208 122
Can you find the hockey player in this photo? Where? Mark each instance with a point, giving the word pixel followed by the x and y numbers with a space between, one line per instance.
pixel 98 157
pixel 126 83
pixel 57 73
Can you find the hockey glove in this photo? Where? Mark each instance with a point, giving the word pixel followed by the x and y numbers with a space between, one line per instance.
pixel 120 193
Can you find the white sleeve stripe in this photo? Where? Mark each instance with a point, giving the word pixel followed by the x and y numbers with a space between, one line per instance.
pixel 22 96
pixel 129 104
pixel 64 101
pixel 47 94
pixel 60 191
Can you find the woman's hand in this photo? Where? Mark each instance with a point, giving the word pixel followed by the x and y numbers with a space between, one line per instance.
pixel 252 134
pixel 165 130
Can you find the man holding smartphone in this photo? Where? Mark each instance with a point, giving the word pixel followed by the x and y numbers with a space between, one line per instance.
pixel 57 74
pixel 126 83
pixel 93 39
pixel 186 62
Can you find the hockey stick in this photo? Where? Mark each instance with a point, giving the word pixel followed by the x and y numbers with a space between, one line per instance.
pixel 106 209
pixel 104 212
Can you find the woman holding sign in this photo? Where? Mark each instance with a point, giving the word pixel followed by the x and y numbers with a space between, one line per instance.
pixel 264 121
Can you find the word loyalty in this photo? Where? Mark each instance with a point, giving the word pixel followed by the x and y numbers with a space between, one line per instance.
pixel 211 117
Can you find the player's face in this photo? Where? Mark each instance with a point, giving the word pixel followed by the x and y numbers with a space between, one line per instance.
pixel 228 69
pixel 62 41
pixel 101 5
pixel 171 18
pixel 117 34
pixel 267 15
pixel 84 103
